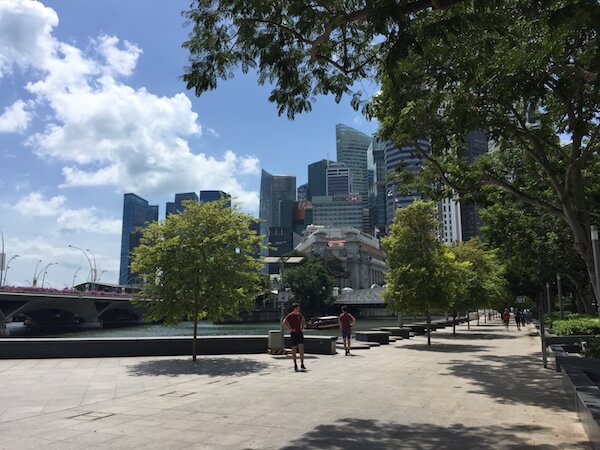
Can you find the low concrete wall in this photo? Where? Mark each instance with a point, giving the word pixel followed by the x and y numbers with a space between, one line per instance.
pixel 586 399
pixel 404 333
pixel 319 345
pixel 147 346
pixel 30 348
pixel 380 337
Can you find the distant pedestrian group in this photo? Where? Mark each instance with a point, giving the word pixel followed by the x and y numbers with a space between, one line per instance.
pixel 522 317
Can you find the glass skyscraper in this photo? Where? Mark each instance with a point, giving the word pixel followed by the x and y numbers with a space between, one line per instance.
pixel 136 213
pixel 214 196
pixel 277 192
pixel 317 179
pixel 352 147
pixel 303 192
pixel 339 179
pixel 470 219
pixel 177 206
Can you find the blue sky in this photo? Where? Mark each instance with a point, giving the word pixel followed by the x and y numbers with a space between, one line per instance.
pixel 91 106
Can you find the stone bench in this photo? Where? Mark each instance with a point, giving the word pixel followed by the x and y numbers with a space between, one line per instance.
pixel 380 337
pixel 404 333
pixel 319 345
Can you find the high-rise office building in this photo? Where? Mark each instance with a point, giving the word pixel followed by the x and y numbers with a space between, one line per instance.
pixel 277 192
pixel 377 192
pixel 450 215
pixel 339 179
pixel 302 192
pixel 335 211
pixel 177 206
pixel 215 196
pixel 398 196
pixel 136 213
pixel 352 147
pixel 317 179
pixel 471 223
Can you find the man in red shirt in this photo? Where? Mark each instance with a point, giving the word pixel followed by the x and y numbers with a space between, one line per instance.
pixel 346 322
pixel 295 322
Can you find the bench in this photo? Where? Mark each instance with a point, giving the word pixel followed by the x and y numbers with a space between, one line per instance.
pixel 380 337
pixel 404 333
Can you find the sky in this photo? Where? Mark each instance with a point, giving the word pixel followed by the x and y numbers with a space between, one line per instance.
pixel 92 107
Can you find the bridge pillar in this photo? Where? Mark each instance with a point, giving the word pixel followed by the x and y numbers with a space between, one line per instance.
pixel 3 330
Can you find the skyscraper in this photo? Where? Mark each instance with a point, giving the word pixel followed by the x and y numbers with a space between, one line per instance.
pixel 177 206
pixel 214 196
pixel 338 211
pixel 136 213
pixel 339 179
pixel 302 192
pixel 398 196
pixel 352 147
pixel 317 179
pixel 277 192
pixel 471 223
pixel 377 192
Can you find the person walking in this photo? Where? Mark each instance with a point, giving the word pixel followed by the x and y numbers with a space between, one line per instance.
pixel 295 322
pixel 518 319
pixel 506 318
pixel 346 322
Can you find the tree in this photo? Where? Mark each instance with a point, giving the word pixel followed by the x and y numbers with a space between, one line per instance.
pixel 310 283
pixel 199 263
pixel 525 72
pixel 422 276
pixel 303 48
pixel 482 282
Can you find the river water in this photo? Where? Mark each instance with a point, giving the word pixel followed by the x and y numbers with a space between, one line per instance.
pixel 205 328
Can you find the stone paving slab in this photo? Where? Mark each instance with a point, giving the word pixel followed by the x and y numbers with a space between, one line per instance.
pixel 482 389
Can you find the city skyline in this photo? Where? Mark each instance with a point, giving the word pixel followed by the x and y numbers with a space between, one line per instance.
pixel 56 192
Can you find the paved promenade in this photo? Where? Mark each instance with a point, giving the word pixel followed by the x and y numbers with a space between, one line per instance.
pixel 483 389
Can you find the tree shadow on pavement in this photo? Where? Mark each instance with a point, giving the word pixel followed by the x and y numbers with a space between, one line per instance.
pixel 362 434
pixel 513 379
pixel 212 367
pixel 443 347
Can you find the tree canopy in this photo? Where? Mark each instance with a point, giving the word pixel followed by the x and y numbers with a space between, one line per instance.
pixel 311 284
pixel 199 263
pixel 422 274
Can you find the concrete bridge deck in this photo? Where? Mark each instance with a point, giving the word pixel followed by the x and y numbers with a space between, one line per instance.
pixel 483 389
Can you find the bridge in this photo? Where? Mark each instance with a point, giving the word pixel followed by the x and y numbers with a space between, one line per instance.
pixel 67 308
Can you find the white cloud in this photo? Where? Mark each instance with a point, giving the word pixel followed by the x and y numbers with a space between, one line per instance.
pixel 105 131
pixel 67 219
pixel 15 118
pixel 35 205
pixel 213 132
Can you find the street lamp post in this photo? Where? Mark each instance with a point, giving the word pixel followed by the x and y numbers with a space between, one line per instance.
pixel 75 276
pixel 46 271
pixel 95 272
pixel 596 253
pixel 8 267
pixel 88 260
pixel 100 276
pixel 2 258
pixel 35 274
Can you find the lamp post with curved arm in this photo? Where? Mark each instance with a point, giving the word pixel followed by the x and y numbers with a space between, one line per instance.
pixel 75 276
pixel 100 276
pixel 46 271
pixel 88 260
pixel 35 274
pixel 95 271
pixel 8 267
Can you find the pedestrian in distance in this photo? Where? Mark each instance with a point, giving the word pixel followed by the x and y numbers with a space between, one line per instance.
pixel 506 318
pixel 346 321
pixel 295 322
pixel 518 319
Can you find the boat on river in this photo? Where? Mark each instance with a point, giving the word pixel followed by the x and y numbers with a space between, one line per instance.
pixel 322 323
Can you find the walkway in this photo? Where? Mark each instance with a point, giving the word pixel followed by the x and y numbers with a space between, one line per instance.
pixel 483 389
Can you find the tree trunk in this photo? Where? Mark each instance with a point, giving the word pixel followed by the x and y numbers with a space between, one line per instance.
pixel 453 324
pixel 428 328
pixel 194 353
pixel 477 316
pixel 468 321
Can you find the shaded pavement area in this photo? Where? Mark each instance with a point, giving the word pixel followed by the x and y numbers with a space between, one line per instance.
pixel 482 389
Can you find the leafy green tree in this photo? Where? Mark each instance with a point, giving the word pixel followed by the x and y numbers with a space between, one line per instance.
pixel 482 277
pixel 199 263
pixel 422 276
pixel 310 283
pixel 525 72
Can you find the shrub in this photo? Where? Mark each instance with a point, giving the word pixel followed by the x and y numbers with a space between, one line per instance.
pixel 576 325
pixel 592 347
pixel 552 317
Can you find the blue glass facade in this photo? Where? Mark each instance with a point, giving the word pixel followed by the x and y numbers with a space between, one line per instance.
pixel 136 213
pixel 470 219
pixel 317 179
pixel 177 206
pixel 214 196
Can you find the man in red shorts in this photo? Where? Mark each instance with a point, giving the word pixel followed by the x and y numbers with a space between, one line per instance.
pixel 346 322
pixel 295 322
